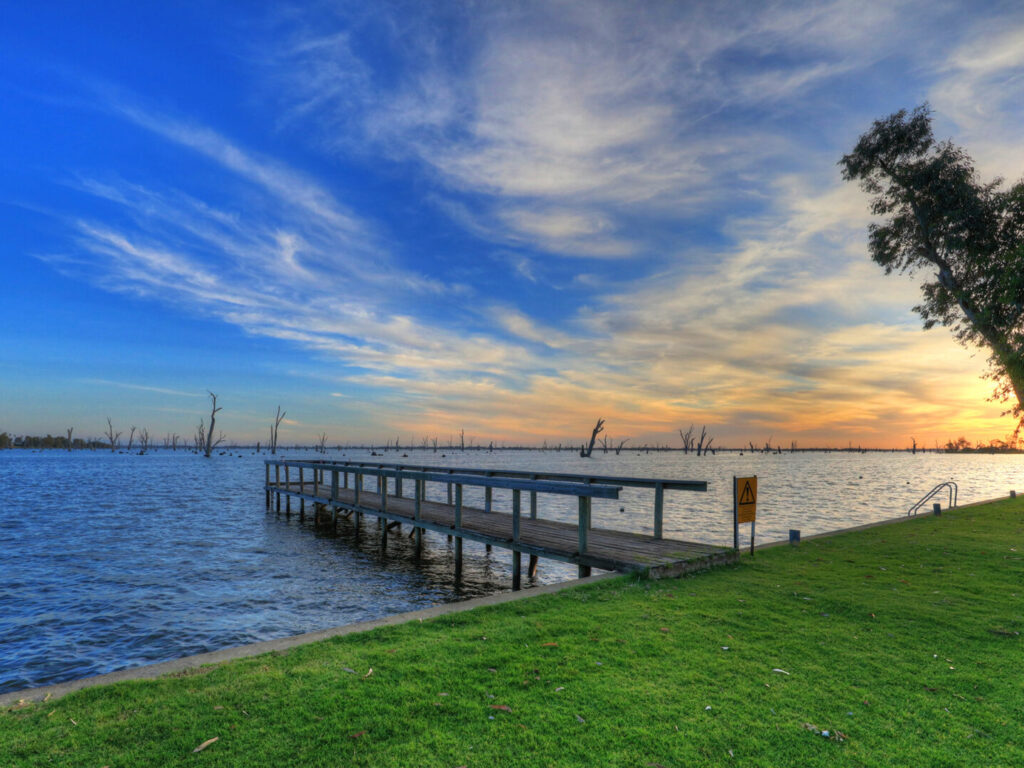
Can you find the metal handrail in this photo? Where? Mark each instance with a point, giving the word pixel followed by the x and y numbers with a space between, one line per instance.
pixel 636 482
pixel 953 491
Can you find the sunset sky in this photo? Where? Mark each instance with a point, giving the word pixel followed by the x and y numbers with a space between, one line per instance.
pixel 512 218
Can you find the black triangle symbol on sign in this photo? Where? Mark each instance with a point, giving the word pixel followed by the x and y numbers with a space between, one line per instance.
pixel 747 497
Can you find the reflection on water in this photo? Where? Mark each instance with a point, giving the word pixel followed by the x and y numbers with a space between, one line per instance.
pixel 113 560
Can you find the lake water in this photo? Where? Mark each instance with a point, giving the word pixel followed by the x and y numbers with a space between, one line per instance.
pixel 113 560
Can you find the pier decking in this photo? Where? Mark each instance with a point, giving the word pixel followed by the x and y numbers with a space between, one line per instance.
pixel 335 488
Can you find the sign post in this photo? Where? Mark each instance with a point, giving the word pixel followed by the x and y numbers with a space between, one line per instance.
pixel 744 508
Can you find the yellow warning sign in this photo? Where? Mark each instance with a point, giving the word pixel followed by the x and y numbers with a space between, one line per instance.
pixel 746 499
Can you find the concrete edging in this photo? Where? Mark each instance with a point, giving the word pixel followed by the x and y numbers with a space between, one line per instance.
pixel 148 671
pixel 877 524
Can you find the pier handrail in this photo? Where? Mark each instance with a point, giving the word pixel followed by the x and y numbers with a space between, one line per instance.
pixel 953 493
pixel 636 482
pixel 598 490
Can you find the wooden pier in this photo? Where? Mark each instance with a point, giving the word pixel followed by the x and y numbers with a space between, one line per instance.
pixel 398 495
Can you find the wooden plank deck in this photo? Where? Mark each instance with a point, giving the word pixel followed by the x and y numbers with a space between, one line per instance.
pixel 606 549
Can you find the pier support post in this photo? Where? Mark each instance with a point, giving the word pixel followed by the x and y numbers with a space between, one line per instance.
pixel 584 527
pixel 517 559
pixel 383 488
pixel 659 509
pixel 266 484
pixel 458 527
pixel 334 498
pixel 416 516
pixel 302 502
pixel 487 506
pixel 288 497
pixel 531 569
pixel 277 484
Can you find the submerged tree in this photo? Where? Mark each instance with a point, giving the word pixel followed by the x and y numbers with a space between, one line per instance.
pixel 275 427
pixel 112 436
pixel 210 442
pixel 586 451
pixel 939 215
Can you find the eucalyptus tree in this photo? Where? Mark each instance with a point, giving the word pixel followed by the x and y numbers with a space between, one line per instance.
pixel 965 234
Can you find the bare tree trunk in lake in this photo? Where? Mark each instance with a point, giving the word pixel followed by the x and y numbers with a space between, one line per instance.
pixel 70 430
pixel 322 445
pixel 687 439
pixel 199 438
pixel 112 436
pixel 587 451
pixel 213 421
pixel 913 449
pixel 703 437
pixel 174 441
pixel 620 446
pixel 604 444
pixel 434 443
pixel 131 437
pixel 275 427
pixel 462 439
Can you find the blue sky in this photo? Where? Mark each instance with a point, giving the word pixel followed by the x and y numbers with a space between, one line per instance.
pixel 512 218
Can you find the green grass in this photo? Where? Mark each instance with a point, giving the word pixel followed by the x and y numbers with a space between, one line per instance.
pixel 904 638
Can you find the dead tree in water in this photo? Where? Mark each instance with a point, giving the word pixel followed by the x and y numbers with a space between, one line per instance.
pixel 321 446
pixel 913 448
pixel 433 442
pixel 274 428
pixel 174 441
pixel 620 446
pixel 462 439
pixel 703 437
pixel 687 439
pixel 210 445
pixel 112 436
pixel 70 430
pixel 143 441
pixel 586 451
pixel 199 438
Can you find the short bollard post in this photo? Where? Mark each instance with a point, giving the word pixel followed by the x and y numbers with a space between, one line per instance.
pixel 794 536
pixel 937 508
pixel 1013 494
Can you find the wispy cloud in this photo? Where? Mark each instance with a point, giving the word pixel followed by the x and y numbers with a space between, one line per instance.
pixel 143 388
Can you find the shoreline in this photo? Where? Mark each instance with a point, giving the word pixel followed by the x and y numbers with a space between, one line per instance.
pixel 53 691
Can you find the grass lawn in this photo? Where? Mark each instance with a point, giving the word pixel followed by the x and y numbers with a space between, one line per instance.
pixel 903 642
